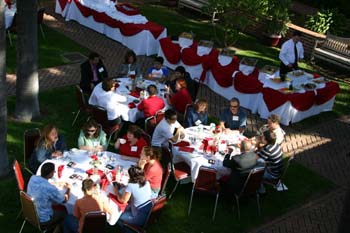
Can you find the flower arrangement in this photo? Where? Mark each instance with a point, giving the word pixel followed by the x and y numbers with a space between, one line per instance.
pixel 95 161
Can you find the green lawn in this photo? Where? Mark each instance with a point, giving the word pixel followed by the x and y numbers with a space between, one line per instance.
pixel 174 217
pixel 50 50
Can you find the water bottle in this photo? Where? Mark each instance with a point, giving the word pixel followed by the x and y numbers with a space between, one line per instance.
pixel 291 85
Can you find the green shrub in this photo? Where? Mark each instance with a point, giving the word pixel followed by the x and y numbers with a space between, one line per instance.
pixel 327 21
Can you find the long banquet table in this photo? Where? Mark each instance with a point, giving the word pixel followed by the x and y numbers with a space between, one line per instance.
pixel 258 91
pixel 133 30
pixel 82 160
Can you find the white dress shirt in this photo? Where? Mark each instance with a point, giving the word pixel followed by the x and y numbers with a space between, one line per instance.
pixel 109 100
pixel 287 52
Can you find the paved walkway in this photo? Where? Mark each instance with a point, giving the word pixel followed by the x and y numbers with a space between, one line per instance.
pixel 321 148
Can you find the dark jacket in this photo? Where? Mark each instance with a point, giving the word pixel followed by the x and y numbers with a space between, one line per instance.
pixel 87 75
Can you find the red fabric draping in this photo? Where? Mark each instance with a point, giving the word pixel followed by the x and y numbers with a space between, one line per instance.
pixel 63 3
pixel 189 55
pixel 326 93
pixel 273 99
pixel 223 74
pixel 127 29
pixel 171 51
pixel 249 84
pixel 302 101
pixel 127 9
pixel 316 75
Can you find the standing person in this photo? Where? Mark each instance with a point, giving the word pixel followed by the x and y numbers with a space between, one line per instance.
pixel 180 73
pixel 50 145
pixel 158 72
pixel 291 52
pixel 132 143
pixel 45 195
pixel 233 117
pixel 92 72
pixel 90 202
pixel 168 130
pixel 138 193
pixel 273 122
pixel 149 163
pixel 130 66
pixel 197 114
pixel 92 137
pixel 181 98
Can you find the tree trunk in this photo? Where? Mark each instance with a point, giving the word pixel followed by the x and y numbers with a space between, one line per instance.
pixel 27 86
pixel 4 161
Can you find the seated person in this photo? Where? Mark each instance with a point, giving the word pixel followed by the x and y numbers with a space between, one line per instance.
pixel 92 72
pixel 50 145
pixel 181 98
pixel 132 143
pixel 92 137
pixel 234 117
pixel 89 202
pixel 271 153
pixel 240 166
pixel 273 122
pixel 179 73
pixel 129 67
pixel 158 71
pixel 149 163
pixel 168 130
pixel 138 193
pixel 45 195
pixel 197 114
pixel 152 104
pixel 107 98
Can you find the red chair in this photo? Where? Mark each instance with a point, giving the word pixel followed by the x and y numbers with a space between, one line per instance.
pixel 147 137
pixel 82 103
pixel 31 138
pixel 206 183
pixel 100 115
pixel 181 170
pixel 94 221
pixel 158 205
pixel 279 181
pixel 148 207
pixel 251 187
pixel 19 176
pixel 165 179
pixel 152 121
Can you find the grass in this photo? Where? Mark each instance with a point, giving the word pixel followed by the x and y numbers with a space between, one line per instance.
pixel 50 50
pixel 174 217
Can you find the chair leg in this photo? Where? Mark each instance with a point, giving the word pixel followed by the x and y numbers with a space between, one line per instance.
pixel 238 208
pixel 24 222
pixel 28 170
pixel 42 31
pixel 216 204
pixel 190 206
pixel 76 117
pixel 19 214
pixel 258 201
pixel 171 194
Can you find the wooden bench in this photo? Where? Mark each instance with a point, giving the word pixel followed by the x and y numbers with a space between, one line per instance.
pixel 333 49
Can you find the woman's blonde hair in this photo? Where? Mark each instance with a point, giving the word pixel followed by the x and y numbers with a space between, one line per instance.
pixel 45 136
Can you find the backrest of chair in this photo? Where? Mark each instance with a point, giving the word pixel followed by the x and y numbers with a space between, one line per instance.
pixel 159 116
pixel 19 176
pixel 94 221
pixel 206 179
pixel 150 124
pixel 31 138
pixel 146 208
pixel 158 205
pixel 186 109
pixel 41 15
pixel 253 181
pixel 100 115
pixel 13 26
pixel 165 178
pixel 80 97
pixel 29 209
pixel 167 157
pixel 147 137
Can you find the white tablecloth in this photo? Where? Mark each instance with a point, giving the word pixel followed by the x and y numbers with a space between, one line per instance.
pixel 198 158
pixel 82 160
pixel 142 43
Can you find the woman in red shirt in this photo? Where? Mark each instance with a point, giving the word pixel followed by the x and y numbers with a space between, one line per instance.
pixel 132 143
pixel 181 98
pixel 152 168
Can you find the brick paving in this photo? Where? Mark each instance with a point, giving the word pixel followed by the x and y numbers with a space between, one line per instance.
pixel 321 148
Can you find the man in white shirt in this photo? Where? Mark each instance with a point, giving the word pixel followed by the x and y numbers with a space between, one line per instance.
pixel 168 130
pixel 291 51
pixel 105 96
pixel 273 122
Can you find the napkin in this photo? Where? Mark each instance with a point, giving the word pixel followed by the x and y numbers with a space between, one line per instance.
pixel 182 143
pixel 135 94
pixel 186 149
pixel 60 170
pixel 132 105
pixel 316 75
pixel 116 85
pixel 91 172
pixel 121 206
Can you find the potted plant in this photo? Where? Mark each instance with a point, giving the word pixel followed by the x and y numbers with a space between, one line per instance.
pixel 277 17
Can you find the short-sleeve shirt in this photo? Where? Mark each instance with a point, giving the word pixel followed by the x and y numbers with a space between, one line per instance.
pixel 132 151
pixel 44 194
pixel 180 99
pixel 234 122
pixel 163 132
pixel 154 174
pixel 158 73
pixel 151 105
pixel 100 140
pixel 139 195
